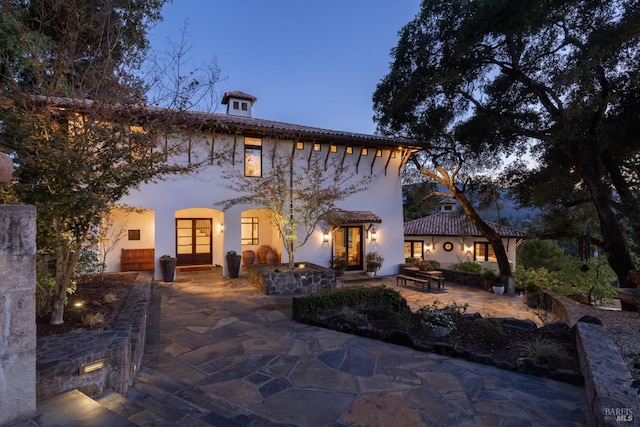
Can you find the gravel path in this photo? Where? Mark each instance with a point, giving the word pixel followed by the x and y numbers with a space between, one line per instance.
pixel 624 328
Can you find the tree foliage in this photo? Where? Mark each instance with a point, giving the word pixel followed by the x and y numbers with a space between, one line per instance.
pixel 299 193
pixel 559 79
pixel 73 116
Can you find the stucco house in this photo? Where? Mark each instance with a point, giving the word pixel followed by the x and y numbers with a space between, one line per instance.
pixel 449 237
pixel 181 216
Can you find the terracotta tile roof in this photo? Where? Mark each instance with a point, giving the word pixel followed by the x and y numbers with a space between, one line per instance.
pixel 452 224
pixel 342 217
pixel 223 123
pixel 239 95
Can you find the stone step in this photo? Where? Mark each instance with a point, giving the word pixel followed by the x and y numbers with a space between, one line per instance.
pixel 74 409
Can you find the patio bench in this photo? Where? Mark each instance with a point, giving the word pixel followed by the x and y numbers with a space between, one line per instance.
pixel 137 259
pixel 403 278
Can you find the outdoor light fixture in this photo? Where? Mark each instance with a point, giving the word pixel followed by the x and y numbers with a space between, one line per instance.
pixel 468 249
pixel 428 248
pixel 91 367
pixel 374 235
pixel 326 237
pixel 221 227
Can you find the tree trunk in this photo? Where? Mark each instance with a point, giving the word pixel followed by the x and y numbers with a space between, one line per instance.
pixel 57 308
pixel 494 239
pixel 614 241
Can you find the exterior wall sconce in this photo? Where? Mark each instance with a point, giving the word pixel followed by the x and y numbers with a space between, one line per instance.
pixel 326 237
pixel 468 249
pixel 374 235
pixel 221 227
pixel 428 248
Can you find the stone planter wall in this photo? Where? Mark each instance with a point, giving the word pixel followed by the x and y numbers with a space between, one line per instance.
pixel 60 357
pixel 279 280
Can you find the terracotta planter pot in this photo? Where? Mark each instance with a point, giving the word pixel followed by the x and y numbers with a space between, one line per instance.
pixel 248 258
pixel 273 257
pixel 263 250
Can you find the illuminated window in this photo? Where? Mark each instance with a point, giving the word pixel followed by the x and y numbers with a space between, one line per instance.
pixel 333 148
pixel 300 145
pixel 249 231
pixel 316 147
pixel 252 157
pixel 365 151
pixel 413 249
pixel 378 153
pixel 349 150
pixel 483 251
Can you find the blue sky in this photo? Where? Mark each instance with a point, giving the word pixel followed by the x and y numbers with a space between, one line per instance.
pixel 314 63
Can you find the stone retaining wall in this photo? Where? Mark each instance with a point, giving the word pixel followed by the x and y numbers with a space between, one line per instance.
pixel 60 358
pixel 606 377
pixel 279 280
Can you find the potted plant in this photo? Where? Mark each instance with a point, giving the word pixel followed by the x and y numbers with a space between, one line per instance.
pixel 340 263
pixel 233 264
pixel 428 265
pixel 374 262
pixel 434 322
pixel 489 279
pixel 168 267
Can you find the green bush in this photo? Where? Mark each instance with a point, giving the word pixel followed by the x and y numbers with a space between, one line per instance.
pixel 470 266
pixel 535 254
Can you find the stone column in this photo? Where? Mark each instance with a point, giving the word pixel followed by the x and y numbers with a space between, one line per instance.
pixel 17 312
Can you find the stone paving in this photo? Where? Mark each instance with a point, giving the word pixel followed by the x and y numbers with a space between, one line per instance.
pixel 238 359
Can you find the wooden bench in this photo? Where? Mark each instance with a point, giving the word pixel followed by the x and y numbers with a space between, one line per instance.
pixel 403 278
pixel 137 259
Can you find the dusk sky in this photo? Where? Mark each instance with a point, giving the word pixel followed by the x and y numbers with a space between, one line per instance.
pixel 314 63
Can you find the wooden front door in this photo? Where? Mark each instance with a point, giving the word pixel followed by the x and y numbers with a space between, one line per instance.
pixel 194 241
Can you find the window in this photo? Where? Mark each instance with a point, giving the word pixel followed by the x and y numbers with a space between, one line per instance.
pixel 299 145
pixel 365 151
pixel 316 147
pixel 244 106
pixel 252 157
pixel 249 231
pixel 413 249
pixel 333 148
pixel 483 251
pixel 236 105
pixel 349 150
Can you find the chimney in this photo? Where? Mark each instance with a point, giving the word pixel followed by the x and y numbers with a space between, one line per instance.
pixel 238 103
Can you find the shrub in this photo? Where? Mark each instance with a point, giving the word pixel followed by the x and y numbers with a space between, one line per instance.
pixel 428 264
pixel 374 261
pixel 431 316
pixel 470 266
pixel 541 350
pixel 110 298
pixel 535 254
pixel 93 320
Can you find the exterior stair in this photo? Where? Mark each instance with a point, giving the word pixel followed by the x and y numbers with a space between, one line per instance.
pixel 152 401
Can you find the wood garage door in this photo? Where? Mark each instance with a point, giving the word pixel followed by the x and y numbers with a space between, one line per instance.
pixel 193 241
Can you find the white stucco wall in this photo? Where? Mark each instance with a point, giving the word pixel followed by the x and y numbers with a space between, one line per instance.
pixel 463 248
pixel 202 193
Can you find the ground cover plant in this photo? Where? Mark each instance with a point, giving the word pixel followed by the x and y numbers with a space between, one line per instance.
pixel 94 304
pixel 382 313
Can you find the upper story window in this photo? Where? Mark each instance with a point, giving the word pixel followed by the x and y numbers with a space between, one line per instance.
pixel 252 157
pixel 236 105
pixel 245 106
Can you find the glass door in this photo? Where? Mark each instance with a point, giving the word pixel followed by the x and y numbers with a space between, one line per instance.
pixel 193 241
pixel 348 240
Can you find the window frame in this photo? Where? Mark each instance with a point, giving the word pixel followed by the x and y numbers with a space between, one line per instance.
pixel 252 148
pixel 412 249
pixel 486 254
pixel 254 224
